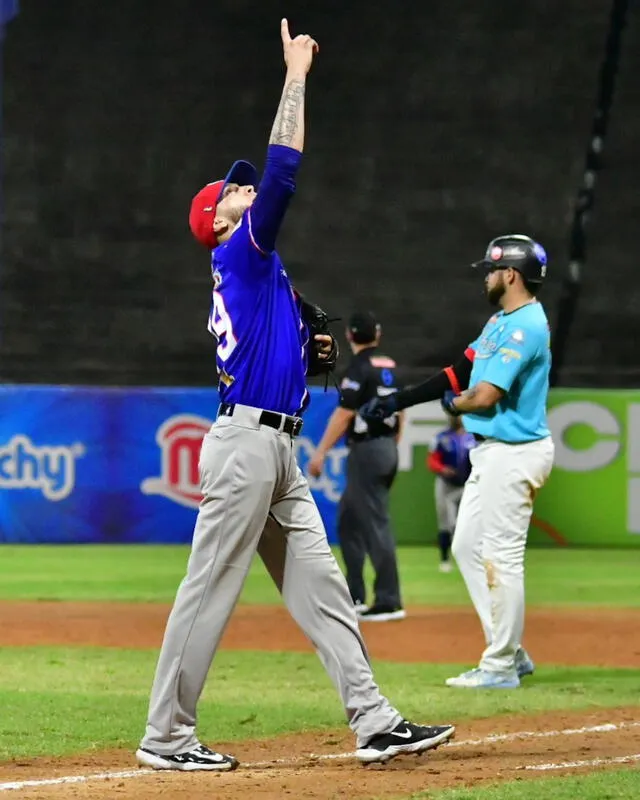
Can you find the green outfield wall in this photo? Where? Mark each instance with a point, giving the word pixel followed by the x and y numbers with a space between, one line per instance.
pixel 593 495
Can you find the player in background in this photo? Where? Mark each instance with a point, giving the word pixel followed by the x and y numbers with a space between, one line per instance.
pixel 255 499
pixel 506 371
pixel 449 462
pixel 364 524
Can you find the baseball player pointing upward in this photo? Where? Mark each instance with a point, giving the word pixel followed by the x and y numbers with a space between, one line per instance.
pixel 506 371
pixel 255 498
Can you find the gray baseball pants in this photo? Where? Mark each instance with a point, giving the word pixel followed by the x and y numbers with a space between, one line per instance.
pixel 364 526
pixel 255 499
pixel 448 499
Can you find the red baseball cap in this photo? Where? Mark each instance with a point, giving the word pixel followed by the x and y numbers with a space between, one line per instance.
pixel 204 204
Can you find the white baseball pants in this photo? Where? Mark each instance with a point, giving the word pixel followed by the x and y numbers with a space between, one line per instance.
pixel 490 538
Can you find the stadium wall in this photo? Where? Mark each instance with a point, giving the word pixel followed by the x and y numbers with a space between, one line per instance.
pixel 88 465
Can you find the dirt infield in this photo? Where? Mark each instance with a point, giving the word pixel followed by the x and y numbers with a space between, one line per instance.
pixel 288 767
pixel 300 766
pixel 598 637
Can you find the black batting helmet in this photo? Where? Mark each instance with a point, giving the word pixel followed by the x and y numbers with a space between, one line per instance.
pixel 518 252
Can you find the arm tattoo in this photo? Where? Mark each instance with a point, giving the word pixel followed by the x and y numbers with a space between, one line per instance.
pixel 287 119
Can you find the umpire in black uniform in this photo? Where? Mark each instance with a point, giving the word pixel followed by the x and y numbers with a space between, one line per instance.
pixel 364 526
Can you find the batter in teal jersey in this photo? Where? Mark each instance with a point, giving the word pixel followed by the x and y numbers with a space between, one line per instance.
pixel 500 387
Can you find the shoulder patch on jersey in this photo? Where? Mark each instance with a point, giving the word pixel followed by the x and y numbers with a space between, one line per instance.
pixel 347 383
pixel 517 336
pixel 509 353
pixel 382 362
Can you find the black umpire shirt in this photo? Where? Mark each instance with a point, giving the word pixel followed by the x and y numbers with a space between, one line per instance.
pixel 370 374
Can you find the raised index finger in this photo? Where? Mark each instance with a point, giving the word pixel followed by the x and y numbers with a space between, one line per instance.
pixel 284 32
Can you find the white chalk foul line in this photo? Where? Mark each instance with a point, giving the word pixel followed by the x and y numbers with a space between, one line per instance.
pixel 491 739
pixel 594 762
pixel 98 776
pixel 512 737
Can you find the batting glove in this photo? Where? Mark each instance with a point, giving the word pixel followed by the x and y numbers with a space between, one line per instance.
pixel 448 406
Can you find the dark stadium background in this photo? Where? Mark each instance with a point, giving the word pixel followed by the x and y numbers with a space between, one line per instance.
pixel 432 127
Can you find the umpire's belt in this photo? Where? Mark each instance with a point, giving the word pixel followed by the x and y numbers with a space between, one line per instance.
pixel 281 422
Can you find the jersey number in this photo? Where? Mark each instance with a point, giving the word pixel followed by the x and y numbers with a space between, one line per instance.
pixel 220 325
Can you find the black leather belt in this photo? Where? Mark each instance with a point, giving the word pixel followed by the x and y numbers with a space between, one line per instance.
pixel 290 425
pixel 480 438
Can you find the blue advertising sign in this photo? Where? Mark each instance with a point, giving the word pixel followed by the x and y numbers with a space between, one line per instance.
pixel 81 465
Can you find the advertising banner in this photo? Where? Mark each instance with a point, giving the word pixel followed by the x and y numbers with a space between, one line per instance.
pixel 593 494
pixel 84 465
pixel 108 465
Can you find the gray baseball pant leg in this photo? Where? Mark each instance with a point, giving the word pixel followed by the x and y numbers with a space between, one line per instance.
pixel 375 462
pixel 350 536
pixel 245 469
pixel 448 499
pixel 239 471
pixel 295 550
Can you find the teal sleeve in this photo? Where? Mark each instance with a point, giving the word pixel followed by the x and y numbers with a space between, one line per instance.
pixel 515 350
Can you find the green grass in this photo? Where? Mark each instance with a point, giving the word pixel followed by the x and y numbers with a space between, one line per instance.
pixel 79 699
pixel 610 785
pixel 56 701
pixel 147 573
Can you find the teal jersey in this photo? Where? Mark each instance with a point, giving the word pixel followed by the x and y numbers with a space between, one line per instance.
pixel 513 353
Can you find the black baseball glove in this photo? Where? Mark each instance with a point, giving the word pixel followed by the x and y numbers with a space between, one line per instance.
pixel 322 354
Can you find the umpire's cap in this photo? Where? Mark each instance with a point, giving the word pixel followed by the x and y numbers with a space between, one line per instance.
pixel 204 204
pixel 518 252
pixel 363 327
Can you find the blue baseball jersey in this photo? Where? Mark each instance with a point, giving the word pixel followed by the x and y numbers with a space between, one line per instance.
pixel 255 313
pixel 514 354
pixel 453 447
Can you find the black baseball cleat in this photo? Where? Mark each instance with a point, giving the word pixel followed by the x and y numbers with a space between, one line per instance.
pixel 200 757
pixel 404 738
pixel 380 613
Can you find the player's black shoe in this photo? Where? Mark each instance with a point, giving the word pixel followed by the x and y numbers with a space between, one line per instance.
pixel 200 757
pixel 380 613
pixel 404 738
